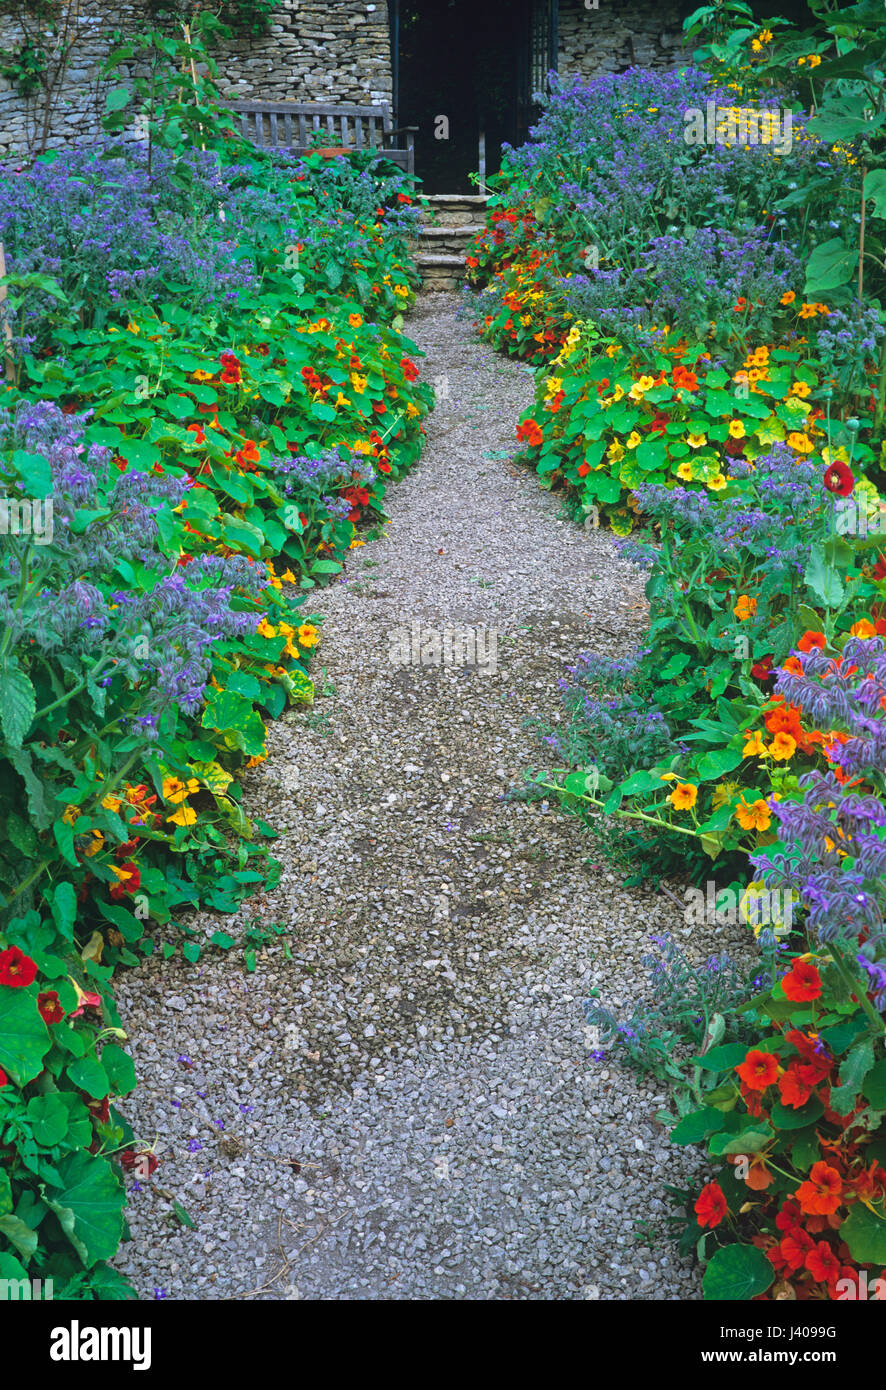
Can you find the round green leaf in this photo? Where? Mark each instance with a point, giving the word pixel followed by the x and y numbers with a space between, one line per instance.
pixel 24 1038
pixel 89 1206
pixel 737 1272
pixel 865 1234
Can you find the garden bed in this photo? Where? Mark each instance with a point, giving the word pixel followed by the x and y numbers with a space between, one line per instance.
pixel 705 316
pixel 207 391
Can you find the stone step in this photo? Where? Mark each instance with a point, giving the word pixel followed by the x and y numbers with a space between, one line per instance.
pixel 464 231
pixel 453 209
pixel 449 200
pixel 431 259
pixel 454 240
pixel 440 271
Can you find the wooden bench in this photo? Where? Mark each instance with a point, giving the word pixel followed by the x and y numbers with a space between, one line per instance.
pixel 288 125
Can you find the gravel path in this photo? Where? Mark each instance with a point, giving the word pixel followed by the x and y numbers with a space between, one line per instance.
pixel 398 1103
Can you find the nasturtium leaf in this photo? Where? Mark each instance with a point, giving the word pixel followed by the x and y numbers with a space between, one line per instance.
pixel 24 1038
pixel 89 1075
pixel 140 454
pixel 692 1128
pixel 63 906
pixel 180 407
pixel 34 471
pixel 874 1085
pixel 119 1069
pixel 718 762
pixel 737 1272
pixel 722 1058
pixel 89 1205
pixel 785 1117
pixel 865 1234
pixel 48 1117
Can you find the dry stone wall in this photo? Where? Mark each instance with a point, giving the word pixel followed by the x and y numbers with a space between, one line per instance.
pixel 615 36
pixel 316 50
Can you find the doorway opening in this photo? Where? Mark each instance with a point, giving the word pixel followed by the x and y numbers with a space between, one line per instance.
pixel 466 71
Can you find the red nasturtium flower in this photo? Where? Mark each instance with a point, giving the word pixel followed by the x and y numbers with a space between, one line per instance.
pixel 758 1070
pixel 530 433
pixel 145 1163
pixel 762 669
pixel 231 374
pixel 794 1248
pixel 811 640
pixel 711 1205
pixel 4 1079
pixel 128 881
pixel 822 1263
pixel 838 479
pixel 802 982
pixel 50 1007
pixel 16 969
pixel 794 1087
pixel 822 1191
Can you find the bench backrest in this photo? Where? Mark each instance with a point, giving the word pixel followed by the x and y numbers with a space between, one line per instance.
pixel 289 125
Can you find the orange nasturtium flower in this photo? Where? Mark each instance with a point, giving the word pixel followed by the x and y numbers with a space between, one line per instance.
pixel 758 1070
pixel 753 816
pixel 782 747
pixel 684 796
pixel 822 1192
pixel 745 607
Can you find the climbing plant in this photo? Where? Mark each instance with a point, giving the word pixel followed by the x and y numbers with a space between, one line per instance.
pixel 37 65
pixel 238 16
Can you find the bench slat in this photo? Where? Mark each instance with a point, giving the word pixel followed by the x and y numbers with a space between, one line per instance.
pixel 372 127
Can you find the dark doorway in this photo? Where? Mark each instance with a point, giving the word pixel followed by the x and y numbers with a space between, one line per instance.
pixel 466 67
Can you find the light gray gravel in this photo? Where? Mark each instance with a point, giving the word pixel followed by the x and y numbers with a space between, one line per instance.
pixel 399 1102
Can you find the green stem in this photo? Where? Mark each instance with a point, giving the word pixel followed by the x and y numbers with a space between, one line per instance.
pixel 880 405
pixel 69 695
pixel 857 988
pixel 625 815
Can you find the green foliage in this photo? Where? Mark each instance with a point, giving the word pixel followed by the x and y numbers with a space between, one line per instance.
pixel 119 815
pixel 24 67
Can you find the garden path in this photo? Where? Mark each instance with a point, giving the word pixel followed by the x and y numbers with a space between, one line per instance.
pixel 398 1103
